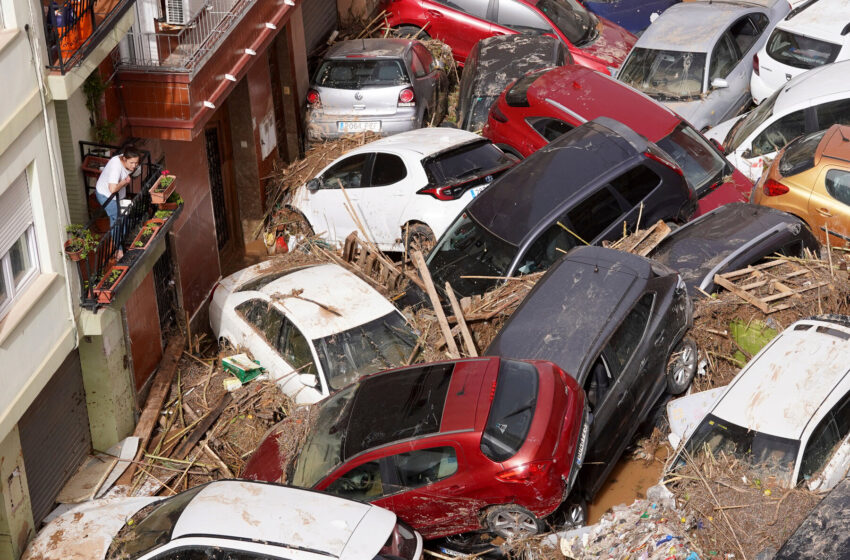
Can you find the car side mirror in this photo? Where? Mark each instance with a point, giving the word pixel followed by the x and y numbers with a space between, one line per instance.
pixel 314 184
pixel 719 83
pixel 309 379
pixel 747 154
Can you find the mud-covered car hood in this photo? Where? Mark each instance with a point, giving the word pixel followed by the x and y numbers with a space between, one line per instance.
pixel 86 532
pixel 612 45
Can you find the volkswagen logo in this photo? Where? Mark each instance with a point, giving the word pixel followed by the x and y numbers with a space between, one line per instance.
pixel 358 96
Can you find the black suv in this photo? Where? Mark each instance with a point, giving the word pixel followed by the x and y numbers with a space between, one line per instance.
pixel 616 323
pixel 580 189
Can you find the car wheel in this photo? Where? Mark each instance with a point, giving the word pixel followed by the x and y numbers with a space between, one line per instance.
pixel 510 151
pixel 469 543
pixel 410 31
pixel 511 520
pixel 681 366
pixel 419 237
pixel 575 512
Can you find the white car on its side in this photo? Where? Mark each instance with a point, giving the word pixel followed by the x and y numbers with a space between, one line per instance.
pixel 787 412
pixel 815 100
pixel 228 520
pixel 813 34
pixel 401 189
pixel 315 329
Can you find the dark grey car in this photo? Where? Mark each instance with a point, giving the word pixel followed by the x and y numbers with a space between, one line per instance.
pixel 616 323
pixel 729 238
pixel 380 85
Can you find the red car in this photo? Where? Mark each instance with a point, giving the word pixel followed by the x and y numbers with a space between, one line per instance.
pixel 593 41
pixel 542 105
pixel 450 447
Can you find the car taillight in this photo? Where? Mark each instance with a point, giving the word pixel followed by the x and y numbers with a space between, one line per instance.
pixel 498 115
pixel 529 472
pixel 313 98
pixel 451 192
pixel 401 543
pixel 660 158
pixel 406 97
pixel 774 188
pixel 756 64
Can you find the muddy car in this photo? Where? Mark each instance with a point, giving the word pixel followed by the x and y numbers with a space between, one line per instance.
pixel 227 520
pixel 616 323
pixel 787 412
pixel 825 533
pixel 729 238
pixel 450 447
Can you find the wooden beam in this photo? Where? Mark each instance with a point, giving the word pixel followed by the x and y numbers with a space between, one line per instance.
pixel 428 282
pixel 464 329
pixel 201 427
pixel 744 295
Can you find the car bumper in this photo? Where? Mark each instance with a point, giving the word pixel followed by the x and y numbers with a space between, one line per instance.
pixel 761 89
pixel 323 127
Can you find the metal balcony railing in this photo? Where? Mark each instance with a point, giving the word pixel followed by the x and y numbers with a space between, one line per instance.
pixel 187 49
pixel 73 28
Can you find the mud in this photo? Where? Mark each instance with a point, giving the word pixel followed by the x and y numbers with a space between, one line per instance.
pixel 629 481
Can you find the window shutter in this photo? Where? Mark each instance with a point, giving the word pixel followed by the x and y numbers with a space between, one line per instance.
pixel 15 213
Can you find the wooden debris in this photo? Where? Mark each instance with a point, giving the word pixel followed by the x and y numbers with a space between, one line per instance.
pixel 464 330
pixel 419 261
pixel 766 284
pixel 643 241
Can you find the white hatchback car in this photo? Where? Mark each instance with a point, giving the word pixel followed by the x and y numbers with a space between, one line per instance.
pixel 788 410
pixel 402 189
pixel 228 520
pixel 812 101
pixel 811 35
pixel 315 329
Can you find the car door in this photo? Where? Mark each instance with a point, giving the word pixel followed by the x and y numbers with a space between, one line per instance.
pixel 367 479
pixel 380 205
pixel 727 64
pixel 838 464
pixel 829 204
pixel 772 138
pixel 458 23
pixel 328 208
pixel 426 80
pixel 260 331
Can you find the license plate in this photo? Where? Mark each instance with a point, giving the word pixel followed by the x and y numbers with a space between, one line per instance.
pixel 359 126
pixel 477 190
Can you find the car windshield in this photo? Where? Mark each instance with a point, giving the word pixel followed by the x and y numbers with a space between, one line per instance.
pixel 322 450
pixel 383 343
pixel 800 51
pixel 465 250
pixel 770 454
pixel 799 155
pixel 356 73
pixel 465 162
pixel 665 75
pixel 751 121
pixel 511 411
pixel 476 115
pixel 574 21
pixel 701 164
pixel 151 527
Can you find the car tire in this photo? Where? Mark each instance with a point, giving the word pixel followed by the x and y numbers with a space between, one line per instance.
pixel 681 366
pixel 418 236
pixel 510 151
pixel 469 543
pixel 510 521
pixel 575 512
pixel 409 31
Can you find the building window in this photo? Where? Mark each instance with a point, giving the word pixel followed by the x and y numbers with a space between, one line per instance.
pixel 18 252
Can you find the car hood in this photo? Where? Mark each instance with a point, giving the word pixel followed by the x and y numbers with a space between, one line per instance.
pixel 720 131
pixel 85 532
pixel 612 45
pixel 696 112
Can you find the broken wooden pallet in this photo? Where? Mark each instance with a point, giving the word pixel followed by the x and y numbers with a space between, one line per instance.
pixel 642 241
pixel 769 286
pixel 374 264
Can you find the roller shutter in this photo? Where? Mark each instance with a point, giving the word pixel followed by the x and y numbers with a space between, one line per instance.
pixel 320 19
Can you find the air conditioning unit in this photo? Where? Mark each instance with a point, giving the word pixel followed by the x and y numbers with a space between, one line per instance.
pixel 180 12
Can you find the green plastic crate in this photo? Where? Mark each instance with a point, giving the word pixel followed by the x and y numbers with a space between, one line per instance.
pixel 242 367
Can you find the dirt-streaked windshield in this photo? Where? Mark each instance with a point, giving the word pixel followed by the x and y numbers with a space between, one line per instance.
pixel 665 75
pixel 322 451
pixel 751 121
pixel 702 166
pixel 359 73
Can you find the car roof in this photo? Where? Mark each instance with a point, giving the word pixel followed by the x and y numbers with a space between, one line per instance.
pixel 692 26
pixel 568 309
pixel 823 19
pixel 283 515
pixel 782 389
pixel 553 178
pixel 346 300
pixel 590 94
pixel 504 58
pixel 824 81
pixel 369 48
pixel 835 144
pixel 421 141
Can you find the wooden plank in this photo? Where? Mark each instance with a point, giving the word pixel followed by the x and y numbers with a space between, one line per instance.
pixel 750 269
pixel 156 398
pixel 201 427
pixel 660 231
pixel 464 329
pixel 419 261
pixel 746 296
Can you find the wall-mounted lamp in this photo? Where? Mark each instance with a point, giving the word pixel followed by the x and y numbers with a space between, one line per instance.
pixel 270 25
pixel 209 104
pixel 252 52
pixel 230 77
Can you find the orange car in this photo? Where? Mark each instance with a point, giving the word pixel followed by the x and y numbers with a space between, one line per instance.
pixel 810 178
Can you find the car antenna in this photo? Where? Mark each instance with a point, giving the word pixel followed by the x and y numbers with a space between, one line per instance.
pixel 841 132
pixel 596 268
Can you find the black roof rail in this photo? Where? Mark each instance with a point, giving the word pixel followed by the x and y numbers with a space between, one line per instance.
pixel 799 9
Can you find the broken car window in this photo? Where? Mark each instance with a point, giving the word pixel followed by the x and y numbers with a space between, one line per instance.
pixel 296 350
pixel 750 122
pixel 357 73
pixel 511 411
pixel 665 75
pixel 702 165
pixel 779 133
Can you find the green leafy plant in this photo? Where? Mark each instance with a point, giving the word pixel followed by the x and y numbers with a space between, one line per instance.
pixel 146 233
pixel 175 198
pixel 104 132
pixel 165 181
pixel 163 214
pixel 80 239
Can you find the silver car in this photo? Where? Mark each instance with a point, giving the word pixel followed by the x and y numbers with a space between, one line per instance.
pixel 381 85
pixel 697 57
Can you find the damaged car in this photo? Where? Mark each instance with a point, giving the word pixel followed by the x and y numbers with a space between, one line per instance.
pixel 450 447
pixel 786 414
pixel 400 191
pixel 227 520
pixel 616 323
pixel 315 328
pixel 581 188
pixel 729 238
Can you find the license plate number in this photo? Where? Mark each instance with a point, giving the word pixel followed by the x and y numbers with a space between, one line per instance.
pixel 477 190
pixel 359 126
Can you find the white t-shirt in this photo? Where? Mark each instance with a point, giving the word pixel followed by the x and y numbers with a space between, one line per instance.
pixel 113 172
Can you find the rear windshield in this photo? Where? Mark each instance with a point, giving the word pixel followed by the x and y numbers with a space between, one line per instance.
pixel 511 411
pixel 800 51
pixel 664 75
pixel 701 164
pixel 465 162
pixel 799 155
pixel 358 73
pixel 517 96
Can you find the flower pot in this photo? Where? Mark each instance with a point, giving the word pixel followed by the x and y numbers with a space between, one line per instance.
pixel 105 289
pixel 74 254
pixel 147 234
pixel 160 194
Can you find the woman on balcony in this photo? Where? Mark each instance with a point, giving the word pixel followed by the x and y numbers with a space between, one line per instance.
pixel 114 177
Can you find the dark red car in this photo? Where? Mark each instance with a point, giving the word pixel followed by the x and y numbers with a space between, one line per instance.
pixel 542 105
pixel 450 447
pixel 593 41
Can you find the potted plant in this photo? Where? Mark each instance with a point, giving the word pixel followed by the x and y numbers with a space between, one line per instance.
pixel 147 233
pixel 163 214
pixel 105 289
pixel 80 242
pixel 173 202
pixel 163 187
